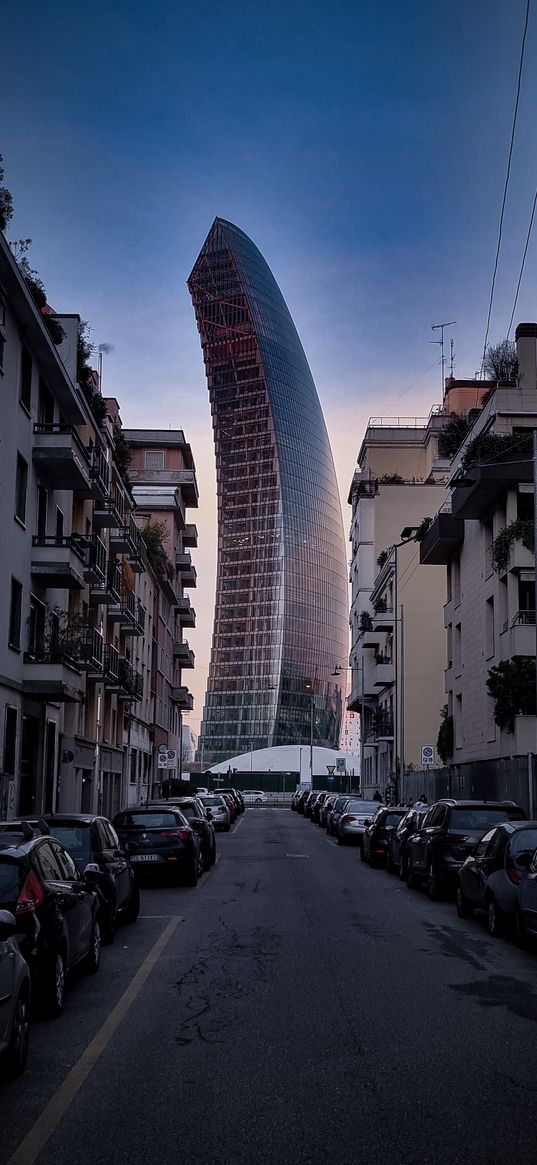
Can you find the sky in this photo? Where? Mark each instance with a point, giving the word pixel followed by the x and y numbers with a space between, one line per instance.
pixel 363 148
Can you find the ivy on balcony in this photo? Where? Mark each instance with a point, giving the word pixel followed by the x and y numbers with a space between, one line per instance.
pixel 365 622
pixel 521 530
pixel 511 683
pixel 445 739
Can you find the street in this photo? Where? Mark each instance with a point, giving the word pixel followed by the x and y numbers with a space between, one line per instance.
pixel 300 1007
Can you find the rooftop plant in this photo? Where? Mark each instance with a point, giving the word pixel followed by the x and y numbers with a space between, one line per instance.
pixel 365 622
pixel 155 535
pixel 6 201
pixel 501 362
pixel 491 447
pixel 391 479
pixel 452 435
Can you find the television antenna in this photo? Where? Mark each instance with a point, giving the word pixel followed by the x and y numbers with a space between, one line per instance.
pixel 440 328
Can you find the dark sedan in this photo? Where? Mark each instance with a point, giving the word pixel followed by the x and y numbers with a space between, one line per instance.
pixel 196 815
pixel 449 833
pixel 377 833
pixel 526 913
pixel 161 839
pixel 56 911
pixel 491 877
pixel 397 861
pixel 91 839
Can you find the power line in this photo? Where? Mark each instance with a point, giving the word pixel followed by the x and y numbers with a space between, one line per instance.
pixel 507 176
pixel 528 236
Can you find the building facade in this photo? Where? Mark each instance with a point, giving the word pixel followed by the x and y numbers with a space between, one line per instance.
pixel 280 626
pixel 397 635
pixel 484 538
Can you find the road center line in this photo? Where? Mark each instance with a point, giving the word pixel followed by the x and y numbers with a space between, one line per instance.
pixel 61 1101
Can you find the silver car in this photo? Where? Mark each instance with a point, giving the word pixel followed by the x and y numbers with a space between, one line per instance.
pixel 14 1000
pixel 220 815
pixel 350 826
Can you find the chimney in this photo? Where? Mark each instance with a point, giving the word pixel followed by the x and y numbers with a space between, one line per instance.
pixel 526 342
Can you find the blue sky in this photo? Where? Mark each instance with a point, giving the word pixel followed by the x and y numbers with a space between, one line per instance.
pixel 362 146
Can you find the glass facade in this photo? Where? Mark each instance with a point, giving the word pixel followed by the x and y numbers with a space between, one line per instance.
pixel 281 613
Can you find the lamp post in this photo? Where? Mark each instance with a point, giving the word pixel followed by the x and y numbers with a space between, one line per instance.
pixel 408 534
pixel 310 689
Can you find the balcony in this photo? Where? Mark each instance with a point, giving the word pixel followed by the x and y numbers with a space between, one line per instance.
pixel 519 638
pixel 59 455
pixel 382 726
pixel 58 562
pixel 190 535
pixel 109 513
pixel 128 611
pixel 384 671
pixel 183 562
pixel 108 589
pixel 442 539
pixel 95 564
pixel 186 613
pixel 520 558
pixel 100 480
pixel 370 639
pixel 52 676
pixel 111 668
pixel 180 480
pixel 183 698
pixel 183 654
pixel 475 495
pixel 383 617
pixel 130 682
pixel 91 653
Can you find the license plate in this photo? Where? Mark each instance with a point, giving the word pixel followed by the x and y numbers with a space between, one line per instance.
pixel 144 858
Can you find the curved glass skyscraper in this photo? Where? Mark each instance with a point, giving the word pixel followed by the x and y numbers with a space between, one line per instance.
pixel 281 614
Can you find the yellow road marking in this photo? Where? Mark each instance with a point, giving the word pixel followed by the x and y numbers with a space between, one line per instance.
pixel 59 1104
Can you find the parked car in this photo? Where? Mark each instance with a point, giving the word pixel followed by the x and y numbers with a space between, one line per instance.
pixel 526 913
pixel 160 839
pixel 237 797
pixel 317 805
pixel 196 815
pixel 352 820
pixel 15 994
pixel 55 908
pixel 92 839
pixel 219 811
pixel 335 813
pixel 254 797
pixel 377 833
pixel 310 801
pixel 232 806
pixel 492 875
pixel 397 860
pixel 301 800
pixel 450 832
pixel 325 809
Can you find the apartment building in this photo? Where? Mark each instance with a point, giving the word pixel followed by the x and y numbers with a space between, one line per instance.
pixel 483 537
pixel 164 486
pixel 81 608
pixel 396 618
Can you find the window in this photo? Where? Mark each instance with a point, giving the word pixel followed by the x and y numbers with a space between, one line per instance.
pixel 21 486
pixel 59 522
pixel 65 862
pixel 46 404
pixel 47 863
pixel 36 627
pixel 489 627
pixel 154 459
pixel 10 739
pixel 42 501
pixel 15 611
pixel 25 395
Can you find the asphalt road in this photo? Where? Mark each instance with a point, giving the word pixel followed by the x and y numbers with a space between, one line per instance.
pixel 295 1007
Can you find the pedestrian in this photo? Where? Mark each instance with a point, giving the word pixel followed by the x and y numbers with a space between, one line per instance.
pixel 422 798
pixel 377 795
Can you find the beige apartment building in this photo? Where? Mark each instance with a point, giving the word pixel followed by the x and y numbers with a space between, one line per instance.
pixel 479 537
pixel 397 633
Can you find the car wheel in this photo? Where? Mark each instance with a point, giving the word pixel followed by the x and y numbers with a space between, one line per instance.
pixel 464 907
pixel 433 884
pixel 494 918
pixel 258 801
pixel 93 957
pixel 132 910
pixel 53 989
pixel 16 1055
pixel 521 934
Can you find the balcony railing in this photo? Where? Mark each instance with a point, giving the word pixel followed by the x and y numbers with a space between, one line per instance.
pixel 100 476
pixel 130 681
pixel 183 654
pixel 183 698
pixel 128 611
pixel 136 551
pixel 186 613
pixel 95 564
pixel 108 590
pixel 58 561
pixel 91 652
pixel 62 457
pixel 110 666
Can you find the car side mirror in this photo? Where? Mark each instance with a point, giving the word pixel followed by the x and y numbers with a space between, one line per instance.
pixel 91 872
pixel 209 814
pixel 8 925
pixel 524 860
pixel 367 821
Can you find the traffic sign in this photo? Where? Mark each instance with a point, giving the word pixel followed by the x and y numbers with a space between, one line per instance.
pixel 167 758
pixel 428 754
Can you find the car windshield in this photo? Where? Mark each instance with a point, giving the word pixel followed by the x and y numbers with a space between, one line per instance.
pixel 9 880
pixel 393 818
pixel 524 841
pixel 146 820
pixel 479 820
pixel 189 811
pixel 213 802
pixel 75 838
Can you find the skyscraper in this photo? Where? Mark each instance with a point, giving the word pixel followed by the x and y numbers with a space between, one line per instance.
pixel 281 612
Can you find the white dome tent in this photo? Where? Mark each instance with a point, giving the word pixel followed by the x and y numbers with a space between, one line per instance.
pixel 292 759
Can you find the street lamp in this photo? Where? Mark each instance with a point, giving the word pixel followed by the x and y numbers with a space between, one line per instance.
pixel 311 690
pixel 408 534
